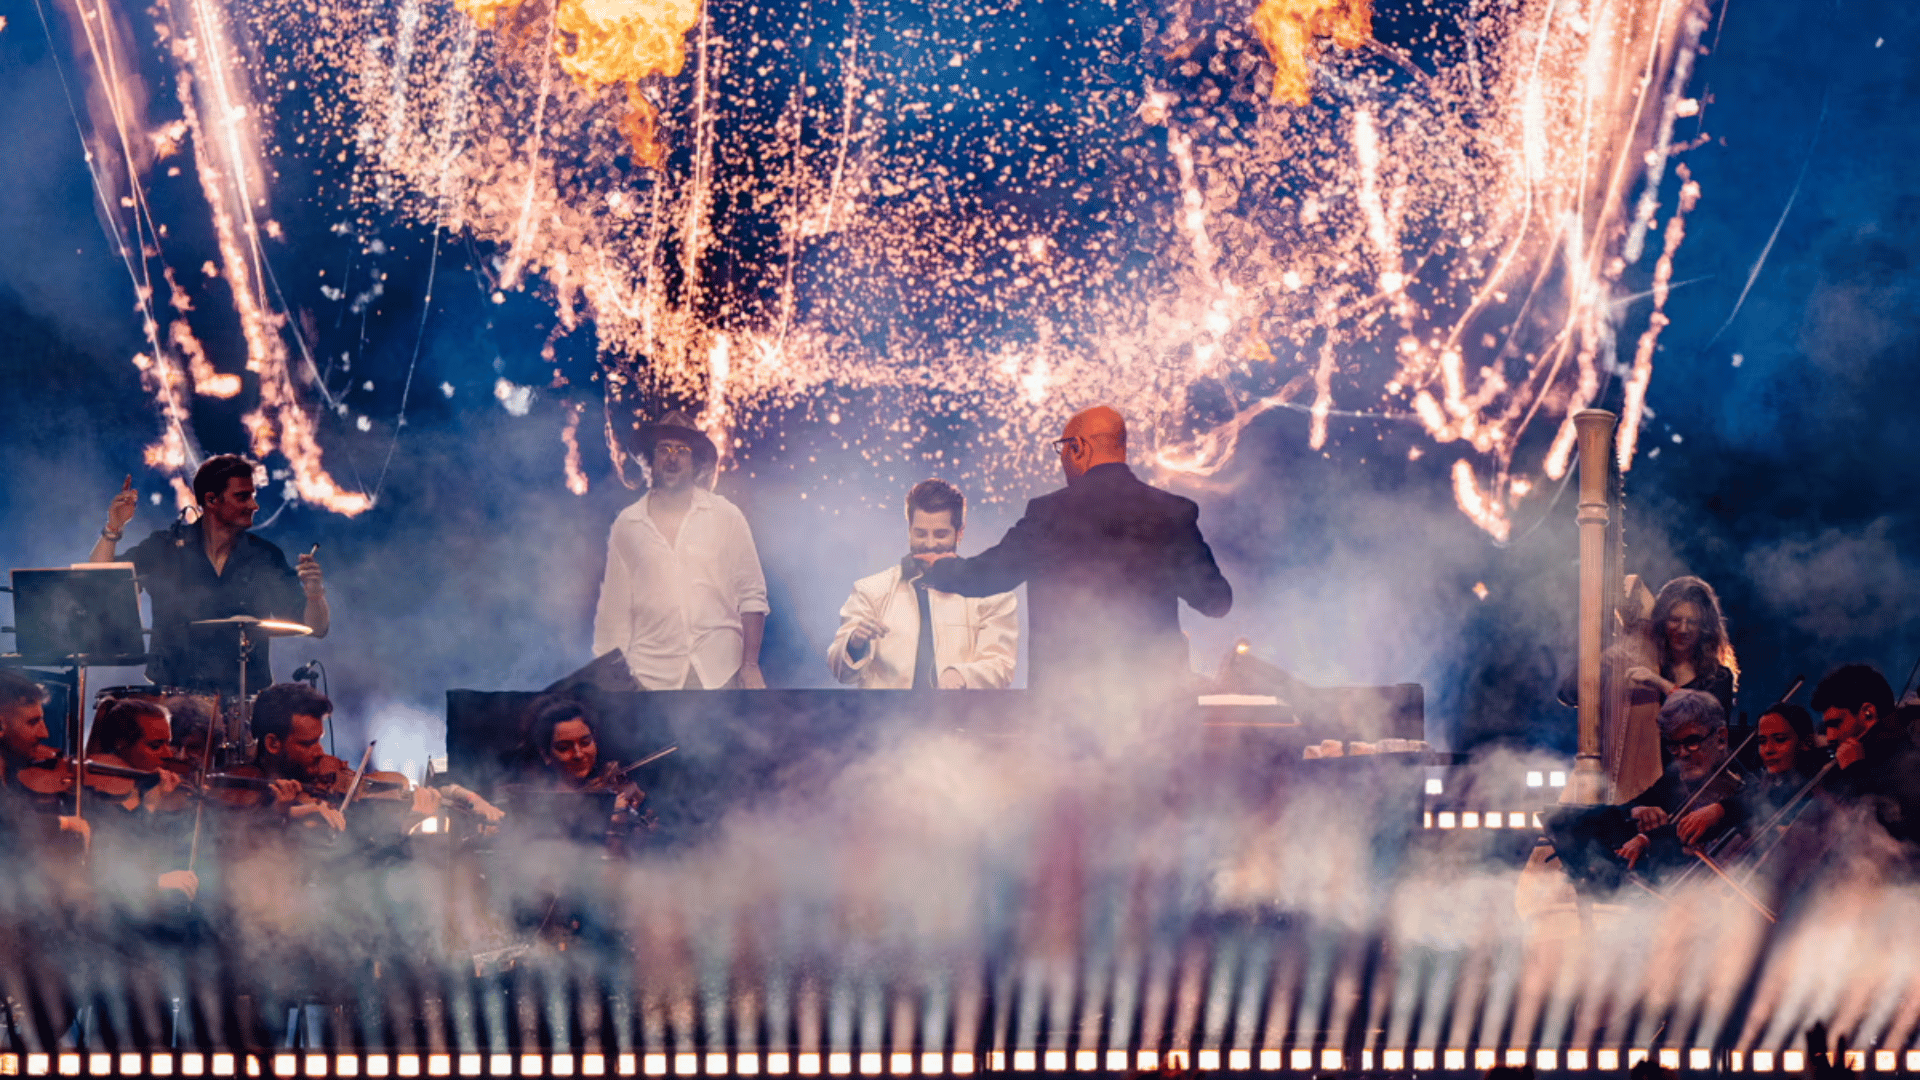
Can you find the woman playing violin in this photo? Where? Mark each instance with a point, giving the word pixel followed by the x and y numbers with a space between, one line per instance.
pixel 564 759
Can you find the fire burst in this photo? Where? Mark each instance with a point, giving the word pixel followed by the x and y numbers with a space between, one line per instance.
pixel 967 215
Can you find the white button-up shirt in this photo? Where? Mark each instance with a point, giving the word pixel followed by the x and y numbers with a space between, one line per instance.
pixel 671 606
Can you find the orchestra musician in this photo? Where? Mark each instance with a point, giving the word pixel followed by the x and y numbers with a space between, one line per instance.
pixel 1876 767
pixel 684 597
pixel 1693 803
pixel 289 721
pixel 23 745
pixel 560 737
pixel 897 634
pixel 1106 561
pixel 139 830
pixel 214 568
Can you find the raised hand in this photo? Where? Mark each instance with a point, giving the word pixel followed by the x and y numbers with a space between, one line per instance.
pixel 120 510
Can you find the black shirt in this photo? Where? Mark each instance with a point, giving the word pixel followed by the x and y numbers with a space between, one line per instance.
pixel 174 569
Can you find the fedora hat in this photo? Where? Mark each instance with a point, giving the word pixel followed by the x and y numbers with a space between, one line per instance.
pixel 675 425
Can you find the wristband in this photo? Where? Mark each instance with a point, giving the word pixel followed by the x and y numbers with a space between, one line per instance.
pixel 110 533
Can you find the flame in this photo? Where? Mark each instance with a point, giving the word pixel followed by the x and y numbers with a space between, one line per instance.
pixel 602 43
pixel 570 438
pixel 1288 29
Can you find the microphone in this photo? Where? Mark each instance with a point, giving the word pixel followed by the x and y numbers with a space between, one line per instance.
pixel 308 673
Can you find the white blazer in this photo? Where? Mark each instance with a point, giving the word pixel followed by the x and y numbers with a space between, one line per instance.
pixel 979 638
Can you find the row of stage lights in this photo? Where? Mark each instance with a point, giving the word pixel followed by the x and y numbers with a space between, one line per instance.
pixel 287 1065
pixel 1489 819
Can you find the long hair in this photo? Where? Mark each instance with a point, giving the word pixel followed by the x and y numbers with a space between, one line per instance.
pixel 1712 649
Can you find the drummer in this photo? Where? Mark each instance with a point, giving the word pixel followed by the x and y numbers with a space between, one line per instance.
pixel 214 568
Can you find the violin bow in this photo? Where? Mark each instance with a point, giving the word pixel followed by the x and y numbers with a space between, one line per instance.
pixel 200 804
pixel 648 760
pixel 365 759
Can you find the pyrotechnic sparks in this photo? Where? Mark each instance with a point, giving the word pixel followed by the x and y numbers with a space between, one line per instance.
pixel 1427 237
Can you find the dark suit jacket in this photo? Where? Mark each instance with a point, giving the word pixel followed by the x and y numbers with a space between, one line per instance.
pixel 1886 779
pixel 1106 561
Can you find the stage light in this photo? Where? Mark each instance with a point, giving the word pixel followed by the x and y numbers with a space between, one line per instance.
pixel 1446 819
pixel 717 1065
pixel 626 1064
pixel 1054 1060
pixel 1366 1061
pixel 779 1064
pixel 1537 823
pixel 1698 1058
pixel 869 1064
pixel 560 1065
pixel 1885 1061
pixel 1577 1060
pixel 406 1065
pixel 316 1065
pixel 746 1064
pixel 808 1064
pixel 1393 1060
pixel 900 1064
pixel 1763 1061
pixel 1023 1060
pixel 1240 1060
pixel 253 1065
pixel 932 1063
pixel 1436 786
pixel 100 1064
pixel 1607 1060
pixel 37 1064
pixel 1086 1060
pixel 685 1064
pixel 1177 1060
pixel 158 1065
pixel 223 1064
pixel 593 1064
pixel 1855 1061
pixel 500 1065
pixel 1536 779
pixel 378 1064
pixel 1669 1059
pixel 1516 819
pixel 1470 819
pixel 1545 1060
pixel 1736 1061
pixel 1426 819
pixel 963 1064
pixel 1332 1059
pixel 1300 1060
pixel 1913 1061
pixel 1793 1061
pixel 1484 1060
pixel 69 1064
pixel 439 1064
pixel 1423 1061
pixel 840 1064
pixel 469 1064
pixel 1517 1058
pixel 1453 1060
pixel 1207 1061
pixel 1148 1060
pixel 656 1064
pixel 1269 1060
pixel 1556 779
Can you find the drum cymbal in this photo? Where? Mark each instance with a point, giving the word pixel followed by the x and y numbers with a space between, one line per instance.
pixel 266 627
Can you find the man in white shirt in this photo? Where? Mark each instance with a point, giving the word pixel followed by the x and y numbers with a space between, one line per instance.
pixel 684 597
pixel 896 635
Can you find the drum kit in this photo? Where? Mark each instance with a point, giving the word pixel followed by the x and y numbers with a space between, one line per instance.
pixel 193 710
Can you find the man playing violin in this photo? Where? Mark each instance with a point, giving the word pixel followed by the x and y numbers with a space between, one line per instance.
pixel 23 735
pixel 289 720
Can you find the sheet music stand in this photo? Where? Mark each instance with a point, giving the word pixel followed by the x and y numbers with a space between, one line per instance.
pixel 75 618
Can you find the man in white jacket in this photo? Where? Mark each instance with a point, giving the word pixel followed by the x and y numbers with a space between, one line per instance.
pixel 897 635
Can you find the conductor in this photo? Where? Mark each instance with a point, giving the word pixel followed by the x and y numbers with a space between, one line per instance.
pixel 214 569
pixel 1106 561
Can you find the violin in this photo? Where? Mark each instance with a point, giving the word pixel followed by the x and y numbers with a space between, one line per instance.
pixel 331 776
pixel 51 779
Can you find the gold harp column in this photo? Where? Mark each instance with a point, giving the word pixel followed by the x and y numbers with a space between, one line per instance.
pixel 1595 433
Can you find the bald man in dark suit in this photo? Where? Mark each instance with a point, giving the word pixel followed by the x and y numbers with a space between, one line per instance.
pixel 1106 561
